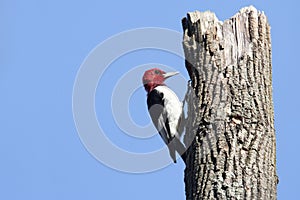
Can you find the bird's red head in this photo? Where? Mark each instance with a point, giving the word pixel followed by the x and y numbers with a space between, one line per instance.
pixel 155 77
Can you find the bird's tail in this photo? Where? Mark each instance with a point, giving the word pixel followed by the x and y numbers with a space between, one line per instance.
pixel 172 151
pixel 176 145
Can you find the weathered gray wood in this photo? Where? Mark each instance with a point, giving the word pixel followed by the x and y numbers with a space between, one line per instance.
pixel 230 129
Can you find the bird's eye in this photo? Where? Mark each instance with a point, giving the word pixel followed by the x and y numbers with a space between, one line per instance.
pixel 157 72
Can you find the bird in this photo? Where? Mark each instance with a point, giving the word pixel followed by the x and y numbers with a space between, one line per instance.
pixel 165 109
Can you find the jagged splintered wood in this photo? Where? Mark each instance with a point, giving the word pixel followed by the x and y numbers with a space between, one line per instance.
pixel 230 129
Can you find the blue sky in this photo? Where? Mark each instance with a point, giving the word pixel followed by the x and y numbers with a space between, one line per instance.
pixel 43 45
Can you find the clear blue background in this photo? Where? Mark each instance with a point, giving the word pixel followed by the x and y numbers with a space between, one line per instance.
pixel 42 45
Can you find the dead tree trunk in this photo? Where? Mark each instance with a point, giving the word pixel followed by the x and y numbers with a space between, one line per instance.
pixel 230 128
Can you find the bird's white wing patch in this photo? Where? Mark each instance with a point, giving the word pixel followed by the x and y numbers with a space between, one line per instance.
pixel 173 109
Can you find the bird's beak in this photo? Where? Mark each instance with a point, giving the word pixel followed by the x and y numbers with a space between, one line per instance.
pixel 169 74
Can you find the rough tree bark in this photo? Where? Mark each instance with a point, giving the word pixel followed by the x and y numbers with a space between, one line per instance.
pixel 230 129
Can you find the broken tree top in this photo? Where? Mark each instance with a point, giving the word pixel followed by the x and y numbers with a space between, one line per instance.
pixel 241 32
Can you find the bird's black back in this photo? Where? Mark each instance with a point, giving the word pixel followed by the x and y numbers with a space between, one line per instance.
pixel 155 97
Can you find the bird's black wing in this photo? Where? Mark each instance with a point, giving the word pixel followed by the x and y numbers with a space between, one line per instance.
pixel 155 102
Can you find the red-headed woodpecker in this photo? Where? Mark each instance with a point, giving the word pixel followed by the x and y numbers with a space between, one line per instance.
pixel 165 110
